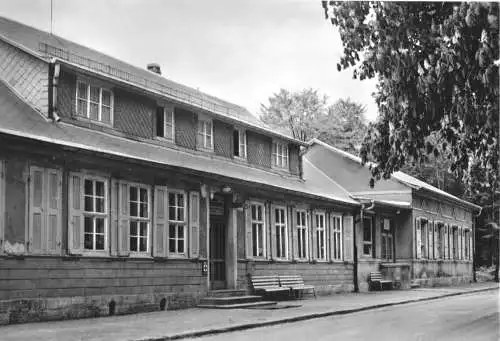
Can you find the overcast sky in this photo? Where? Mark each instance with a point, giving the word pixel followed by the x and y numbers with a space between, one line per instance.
pixel 242 51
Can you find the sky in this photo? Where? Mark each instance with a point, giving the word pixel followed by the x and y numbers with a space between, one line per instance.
pixel 241 51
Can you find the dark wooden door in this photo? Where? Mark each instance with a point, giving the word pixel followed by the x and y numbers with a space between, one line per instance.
pixel 217 254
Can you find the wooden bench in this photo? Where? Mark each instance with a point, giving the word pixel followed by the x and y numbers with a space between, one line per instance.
pixel 296 284
pixel 377 280
pixel 267 285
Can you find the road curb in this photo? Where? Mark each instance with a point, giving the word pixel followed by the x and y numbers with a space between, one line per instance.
pixel 252 325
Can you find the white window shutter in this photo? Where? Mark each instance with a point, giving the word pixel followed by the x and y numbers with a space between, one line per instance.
pixel 462 243
pixel 436 240
pixel 471 245
pixel 268 227
pixel 272 226
pixel 314 232
pixel 194 224
pixel 418 237
pixel 160 224
pixel 123 220
pixel 54 229
pixel 75 214
pixel 37 217
pixel 248 231
pixel 113 226
pixel 347 231
pixel 445 236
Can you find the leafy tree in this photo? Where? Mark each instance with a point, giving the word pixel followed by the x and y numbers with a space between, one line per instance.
pixel 344 126
pixel 437 72
pixel 297 112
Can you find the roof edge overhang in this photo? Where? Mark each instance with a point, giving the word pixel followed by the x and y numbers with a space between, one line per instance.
pixel 124 156
pixel 385 203
pixel 455 200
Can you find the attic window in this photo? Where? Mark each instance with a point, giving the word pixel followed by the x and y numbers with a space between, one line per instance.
pixel 165 123
pixel 94 102
pixel 240 143
pixel 280 154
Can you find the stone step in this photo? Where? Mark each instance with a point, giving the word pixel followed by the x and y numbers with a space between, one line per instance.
pixel 226 293
pixel 230 300
pixel 239 305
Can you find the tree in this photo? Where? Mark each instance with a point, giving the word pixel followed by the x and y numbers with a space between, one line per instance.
pixel 344 126
pixel 297 112
pixel 437 69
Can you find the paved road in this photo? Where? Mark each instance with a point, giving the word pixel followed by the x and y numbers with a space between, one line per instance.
pixel 467 317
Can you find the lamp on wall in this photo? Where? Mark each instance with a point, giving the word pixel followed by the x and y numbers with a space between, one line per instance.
pixel 226 189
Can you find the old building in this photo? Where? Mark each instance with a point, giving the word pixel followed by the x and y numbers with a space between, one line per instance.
pixel 407 228
pixel 122 191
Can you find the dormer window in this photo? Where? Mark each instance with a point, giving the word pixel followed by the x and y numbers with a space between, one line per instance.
pixel 94 103
pixel 205 133
pixel 280 154
pixel 240 143
pixel 165 123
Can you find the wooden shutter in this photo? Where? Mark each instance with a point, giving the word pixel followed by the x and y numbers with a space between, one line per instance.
pixel 462 242
pixel 248 231
pixel 314 232
pixel 347 231
pixel 418 237
pixel 160 224
pixel 272 227
pixel 194 224
pixel 471 245
pixel 289 231
pixel 446 242
pixel 123 219
pixel 294 245
pixel 268 228
pixel 54 229
pixel 113 229
pixel 75 213
pixel 37 220
pixel 430 236
pixel 436 239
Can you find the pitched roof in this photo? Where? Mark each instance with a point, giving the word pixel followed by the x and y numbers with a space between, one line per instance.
pixel 399 176
pixel 47 46
pixel 20 119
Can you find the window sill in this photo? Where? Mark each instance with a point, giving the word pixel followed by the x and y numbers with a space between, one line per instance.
pixel 176 256
pixel 88 120
pixel 165 139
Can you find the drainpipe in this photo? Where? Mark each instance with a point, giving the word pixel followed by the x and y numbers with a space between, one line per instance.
pixel 355 249
pixel 54 71
pixel 474 245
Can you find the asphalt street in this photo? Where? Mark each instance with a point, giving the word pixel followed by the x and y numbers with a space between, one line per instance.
pixel 466 317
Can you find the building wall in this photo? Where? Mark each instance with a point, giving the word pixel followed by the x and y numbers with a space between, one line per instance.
pixel 133 114
pixel 36 286
pixel 28 75
pixel 223 139
pixel 259 149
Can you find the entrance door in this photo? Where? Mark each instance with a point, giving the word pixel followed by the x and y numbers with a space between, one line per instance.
pixel 217 253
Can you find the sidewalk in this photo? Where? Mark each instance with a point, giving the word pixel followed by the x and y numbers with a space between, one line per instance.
pixel 178 324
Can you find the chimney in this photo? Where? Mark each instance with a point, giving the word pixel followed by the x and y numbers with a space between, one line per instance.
pixel 154 67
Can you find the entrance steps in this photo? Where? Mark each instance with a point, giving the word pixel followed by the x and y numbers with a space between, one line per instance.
pixel 232 299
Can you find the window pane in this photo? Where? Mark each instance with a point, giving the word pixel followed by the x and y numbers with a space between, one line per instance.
pixel 180 231
pixel 180 200
pixel 106 98
pixel 259 213
pixel 133 193
pixel 160 122
pixel 99 225
pixel 180 246
pixel 94 111
pixel 94 94
pixel 133 228
pixel 99 188
pixel 88 241
pixel 180 214
pixel 99 203
pixel 89 204
pixel 89 190
pixel 144 195
pixel 236 143
pixel 143 244
pixel 133 243
pixel 106 114
pixel 133 209
pixel 144 210
pixel 254 212
pixel 171 231
pixel 82 108
pixel 171 213
pixel 89 227
pixel 82 90
pixel 171 199
pixel 171 245
pixel 99 242
pixel 144 229
pixel 261 240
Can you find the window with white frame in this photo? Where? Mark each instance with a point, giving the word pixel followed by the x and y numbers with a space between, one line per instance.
pixel 467 244
pixel 424 235
pixel 94 102
pixel 454 237
pixel 205 133
pixel 280 154
pixel 301 221
pixel 95 214
pixel 177 223
pixel 337 237
pixel 320 236
pixel 440 241
pixel 386 248
pixel 240 143
pixel 165 123
pixel 140 220
pixel 281 232
pixel 258 230
pixel 430 240
pixel 367 237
